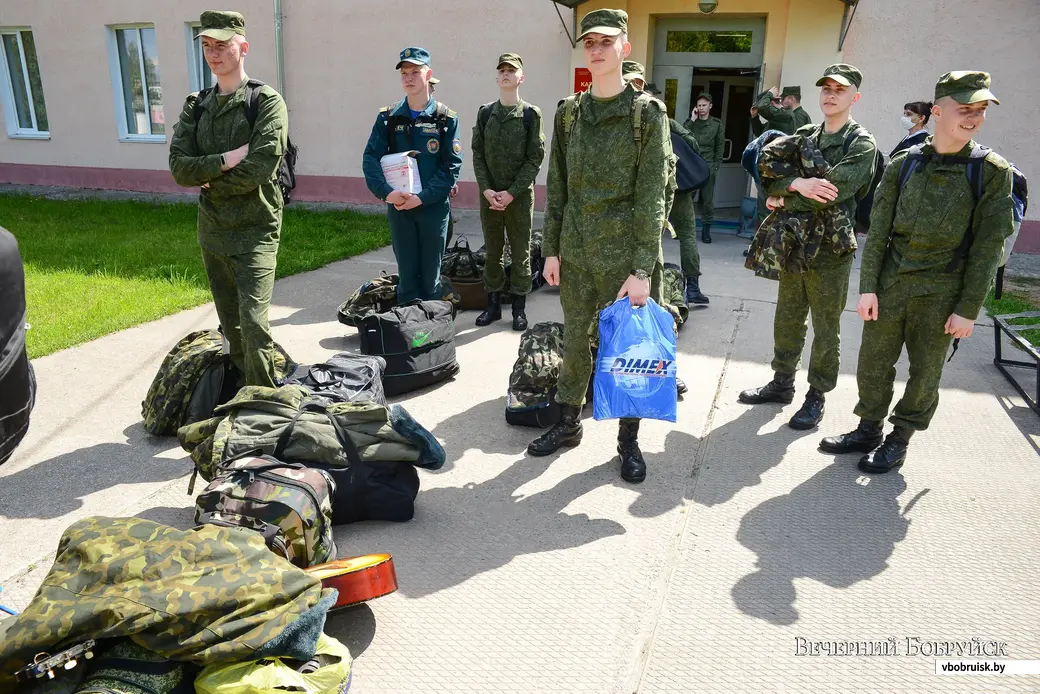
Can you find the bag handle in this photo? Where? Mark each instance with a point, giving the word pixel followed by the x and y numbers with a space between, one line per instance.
pixel 459 240
pixel 318 405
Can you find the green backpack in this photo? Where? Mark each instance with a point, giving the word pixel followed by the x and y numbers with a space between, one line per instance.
pixel 289 504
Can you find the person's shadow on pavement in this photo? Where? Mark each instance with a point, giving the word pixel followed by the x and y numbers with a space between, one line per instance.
pixel 838 528
pixel 55 487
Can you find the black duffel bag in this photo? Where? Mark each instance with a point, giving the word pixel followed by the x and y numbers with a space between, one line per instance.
pixel 416 340
pixel 344 377
pixel 17 379
pixel 372 491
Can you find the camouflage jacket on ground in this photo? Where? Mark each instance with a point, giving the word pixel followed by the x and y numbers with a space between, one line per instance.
pixel 205 596
pixel 789 241
pixel 711 137
pixel 505 155
pixel 256 418
pixel 605 204
pixel 240 210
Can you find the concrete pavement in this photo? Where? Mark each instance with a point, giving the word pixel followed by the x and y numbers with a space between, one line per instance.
pixel 551 575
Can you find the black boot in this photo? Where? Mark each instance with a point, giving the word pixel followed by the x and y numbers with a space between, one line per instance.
pixel 680 387
pixel 566 432
pixel 633 467
pixel 780 389
pixel 890 455
pixel 706 233
pixel 866 437
pixel 519 317
pixel 693 291
pixel 811 412
pixel 494 310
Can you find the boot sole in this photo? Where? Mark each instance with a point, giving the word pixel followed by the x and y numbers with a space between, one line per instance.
pixel 756 401
pixel 566 444
pixel 879 471
pixel 634 480
pixel 484 324
pixel 806 427
pixel 835 450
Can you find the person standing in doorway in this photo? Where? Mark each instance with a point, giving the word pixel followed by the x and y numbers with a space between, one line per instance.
pixel 711 138
pixel 508 150
pixel 418 222
pixel 791 99
pixel 603 219
pixel 235 163
pixel 823 288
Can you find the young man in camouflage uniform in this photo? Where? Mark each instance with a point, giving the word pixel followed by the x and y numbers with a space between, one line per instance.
pixel 711 138
pixel 240 204
pixel 823 288
pixel 680 209
pixel 508 149
pixel 791 99
pixel 770 108
pixel 919 286
pixel 603 225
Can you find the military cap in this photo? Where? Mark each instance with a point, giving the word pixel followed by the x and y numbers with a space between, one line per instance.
pixel 842 74
pixel 796 92
pixel 606 22
pixel 652 88
pixel 630 69
pixel 965 87
pixel 512 60
pixel 415 56
pixel 222 25
pixel 703 95
pixel 434 80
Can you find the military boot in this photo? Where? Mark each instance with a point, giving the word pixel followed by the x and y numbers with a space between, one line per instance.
pixel 811 411
pixel 566 432
pixel 780 389
pixel 633 467
pixel 494 310
pixel 519 316
pixel 865 438
pixel 890 455
pixel 706 233
pixel 693 291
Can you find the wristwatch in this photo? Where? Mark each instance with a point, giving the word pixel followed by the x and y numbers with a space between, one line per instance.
pixel 223 162
pixel 640 274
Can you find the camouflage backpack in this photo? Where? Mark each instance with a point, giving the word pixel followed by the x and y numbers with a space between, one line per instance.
pixel 379 295
pixel 195 377
pixel 532 384
pixel 289 504
pixel 461 263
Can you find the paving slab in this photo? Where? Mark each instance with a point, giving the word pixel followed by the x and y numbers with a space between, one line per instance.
pixel 550 575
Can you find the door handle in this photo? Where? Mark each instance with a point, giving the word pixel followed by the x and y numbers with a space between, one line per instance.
pixel 729 149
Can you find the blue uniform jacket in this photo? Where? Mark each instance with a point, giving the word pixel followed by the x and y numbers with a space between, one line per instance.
pixel 440 157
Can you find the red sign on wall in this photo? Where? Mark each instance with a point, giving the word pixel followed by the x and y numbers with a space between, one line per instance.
pixel 582 79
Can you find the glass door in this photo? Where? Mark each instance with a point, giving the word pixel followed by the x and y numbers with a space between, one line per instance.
pixel 675 84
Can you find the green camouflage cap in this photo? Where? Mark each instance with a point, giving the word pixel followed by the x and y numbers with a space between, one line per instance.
pixel 631 70
pixel 796 92
pixel 703 95
pixel 965 87
pixel 606 22
pixel 512 60
pixel 221 25
pixel 842 74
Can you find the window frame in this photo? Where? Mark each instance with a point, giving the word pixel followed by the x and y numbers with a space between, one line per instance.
pixel 117 84
pixel 14 128
pixel 196 61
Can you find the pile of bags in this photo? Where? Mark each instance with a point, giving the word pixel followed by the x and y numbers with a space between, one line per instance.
pixel 464 268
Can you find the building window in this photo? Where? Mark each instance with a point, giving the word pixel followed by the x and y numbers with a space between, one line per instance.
pixel 709 41
pixel 24 108
pixel 200 75
pixel 135 76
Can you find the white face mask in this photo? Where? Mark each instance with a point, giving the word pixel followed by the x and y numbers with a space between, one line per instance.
pixel 907 122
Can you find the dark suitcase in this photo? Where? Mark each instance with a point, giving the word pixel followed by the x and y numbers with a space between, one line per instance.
pixel 472 295
pixel 416 340
pixel 372 491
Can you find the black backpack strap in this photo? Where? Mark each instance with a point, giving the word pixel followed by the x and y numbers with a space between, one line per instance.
pixel 392 121
pixel 253 88
pixel 484 115
pixel 974 166
pixel 528 117
pixel 850 138
pixel 196 111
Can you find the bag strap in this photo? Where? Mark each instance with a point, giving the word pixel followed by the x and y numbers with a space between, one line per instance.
pixel 528 117
pixel 570 106
pixel 974 171
pixel 319 406
pixel 637 121
pixel 253 88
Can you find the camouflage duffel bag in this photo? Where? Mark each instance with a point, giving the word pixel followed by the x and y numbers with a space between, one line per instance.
pixel 196 377
pixel 460 262
pixel 532 383
pixel 379 295
pixel 289 504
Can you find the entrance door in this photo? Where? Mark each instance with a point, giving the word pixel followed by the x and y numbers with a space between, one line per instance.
pixel 732 98
pixel 675 83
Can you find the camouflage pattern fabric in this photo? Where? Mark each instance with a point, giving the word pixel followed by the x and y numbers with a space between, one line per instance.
pixel 166 402
pixel 778 117
pixel 674 294
pixel 155 674
pixel 204 596
pixel 537 367
pixel 789 241
pixel 711 136
pixel 240 210
pixel 506 156
pixel 512 225
pixel 379 295
pixel 291 506
pixel 462 263
pixel 683 218
pixel 801 117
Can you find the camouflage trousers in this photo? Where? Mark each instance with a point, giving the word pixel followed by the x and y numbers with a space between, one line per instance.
pixel 684 221
pixel 242 286
pixel 584 292
pixel 515 224
pixel 917 322
pixel 706 200
pixel 821 291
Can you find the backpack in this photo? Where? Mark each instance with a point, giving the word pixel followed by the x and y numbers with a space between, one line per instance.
pixel 863 205
pixel 692 171
pixel 441 117
pixel 530 400
pixel 194 379
pixel 379 295
pixel 484 114
pixel 287 166
pixel 288 503
pixel 344 377
pixel 384 491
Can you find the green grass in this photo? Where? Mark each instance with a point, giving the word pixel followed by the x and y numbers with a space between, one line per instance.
pixel 1014 303
pixel 93 267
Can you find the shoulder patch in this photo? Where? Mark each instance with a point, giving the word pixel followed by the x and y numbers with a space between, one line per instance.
pixel 452 114
pixel 997 160
pixel 385 109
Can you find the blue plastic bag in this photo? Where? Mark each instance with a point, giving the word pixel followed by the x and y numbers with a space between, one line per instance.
pixel 635 366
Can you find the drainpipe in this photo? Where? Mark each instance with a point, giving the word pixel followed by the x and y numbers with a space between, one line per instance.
pixel 279 53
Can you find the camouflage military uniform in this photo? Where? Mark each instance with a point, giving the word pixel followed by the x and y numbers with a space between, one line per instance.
pixel 800 117
pixel 823 288
pixel 778 117
pixel 508 157
pixel 683 215
pixel 240 214
pixel 926 222
pixel 604 216
pixel 711 137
